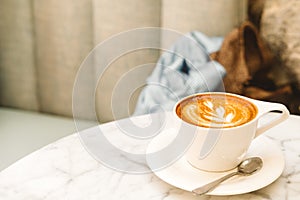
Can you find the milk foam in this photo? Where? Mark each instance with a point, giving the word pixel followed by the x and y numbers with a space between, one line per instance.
pixel 217 112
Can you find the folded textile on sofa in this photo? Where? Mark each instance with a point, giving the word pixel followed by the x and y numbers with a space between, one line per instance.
pixel 182 70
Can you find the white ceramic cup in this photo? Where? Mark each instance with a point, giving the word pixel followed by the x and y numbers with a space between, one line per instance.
pixel 222 149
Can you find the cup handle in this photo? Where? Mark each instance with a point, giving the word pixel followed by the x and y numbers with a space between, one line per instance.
pixel 264 108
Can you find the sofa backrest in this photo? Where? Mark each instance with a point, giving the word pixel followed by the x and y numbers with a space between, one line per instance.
pixel 43 44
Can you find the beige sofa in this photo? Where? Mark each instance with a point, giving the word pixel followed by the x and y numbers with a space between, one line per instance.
pixel 43 44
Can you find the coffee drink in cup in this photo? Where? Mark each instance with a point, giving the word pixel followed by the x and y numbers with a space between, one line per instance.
pixel 216 110
pixel 223 126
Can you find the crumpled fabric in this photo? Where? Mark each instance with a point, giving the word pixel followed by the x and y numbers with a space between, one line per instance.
pixel 182 70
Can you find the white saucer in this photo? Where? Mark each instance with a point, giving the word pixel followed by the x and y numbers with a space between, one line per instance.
pixel 182 175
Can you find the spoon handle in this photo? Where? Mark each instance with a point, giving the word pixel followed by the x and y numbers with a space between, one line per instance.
pixel 210 186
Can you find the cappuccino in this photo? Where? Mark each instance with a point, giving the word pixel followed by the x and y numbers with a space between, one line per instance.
pixel 216 120
pixel 216 110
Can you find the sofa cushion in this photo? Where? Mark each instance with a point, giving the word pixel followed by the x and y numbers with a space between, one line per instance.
pixel 22 132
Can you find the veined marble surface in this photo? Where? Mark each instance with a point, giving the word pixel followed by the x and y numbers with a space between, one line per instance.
pixel 65 170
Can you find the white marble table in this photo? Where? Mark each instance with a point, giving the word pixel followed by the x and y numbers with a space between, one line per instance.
pixel 65 170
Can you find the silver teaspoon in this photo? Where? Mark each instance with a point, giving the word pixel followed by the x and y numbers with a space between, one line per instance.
pixel 245 168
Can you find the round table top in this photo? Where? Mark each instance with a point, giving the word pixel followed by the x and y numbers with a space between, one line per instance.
pixel 65 170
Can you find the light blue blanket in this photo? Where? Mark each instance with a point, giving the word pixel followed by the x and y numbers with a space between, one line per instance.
pixel 183 70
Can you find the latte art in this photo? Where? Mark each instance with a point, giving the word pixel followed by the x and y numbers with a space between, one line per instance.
pixel 216 110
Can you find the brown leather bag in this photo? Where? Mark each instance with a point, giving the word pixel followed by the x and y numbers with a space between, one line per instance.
pixel 243 54
pixel 249 63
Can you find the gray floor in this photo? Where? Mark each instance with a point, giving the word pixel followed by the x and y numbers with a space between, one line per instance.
pixel 22 132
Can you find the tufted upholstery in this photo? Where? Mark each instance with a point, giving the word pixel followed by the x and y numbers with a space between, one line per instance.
pixel 44 42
